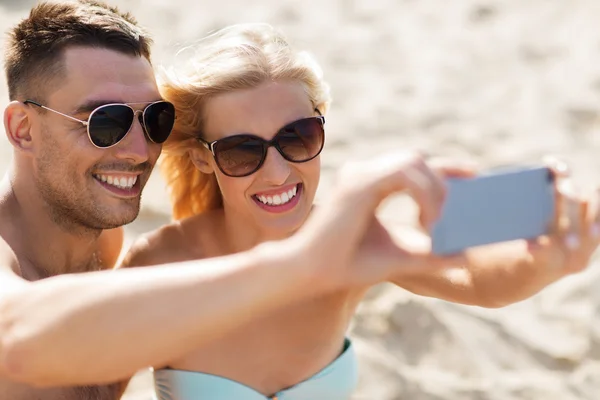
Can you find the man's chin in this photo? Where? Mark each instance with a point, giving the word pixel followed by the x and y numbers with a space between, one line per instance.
pixel 120 216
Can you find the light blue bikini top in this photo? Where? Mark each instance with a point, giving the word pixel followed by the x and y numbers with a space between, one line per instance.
pixel 336 381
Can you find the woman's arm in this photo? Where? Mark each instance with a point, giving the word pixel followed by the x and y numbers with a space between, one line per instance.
pixel 493 277
pixel 504 273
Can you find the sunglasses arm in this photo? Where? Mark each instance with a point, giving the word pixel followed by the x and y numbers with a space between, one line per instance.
pixel 206 144
pixel 57 112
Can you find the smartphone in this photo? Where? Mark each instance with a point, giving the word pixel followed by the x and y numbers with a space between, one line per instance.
pixel 500 205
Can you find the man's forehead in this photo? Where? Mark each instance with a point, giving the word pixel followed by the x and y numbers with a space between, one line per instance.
pixel 100 75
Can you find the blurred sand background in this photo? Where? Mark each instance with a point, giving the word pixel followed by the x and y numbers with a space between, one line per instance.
pixel 497 81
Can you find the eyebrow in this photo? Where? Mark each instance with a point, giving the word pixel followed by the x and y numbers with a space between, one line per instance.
pixel 91 105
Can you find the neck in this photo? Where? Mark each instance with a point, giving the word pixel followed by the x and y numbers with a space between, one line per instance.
pixel 48 246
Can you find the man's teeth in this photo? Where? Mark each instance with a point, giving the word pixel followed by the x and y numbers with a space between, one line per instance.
pixel 278 199
pixel 120 182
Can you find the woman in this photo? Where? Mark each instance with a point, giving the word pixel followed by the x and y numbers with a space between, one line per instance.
pixel 242 165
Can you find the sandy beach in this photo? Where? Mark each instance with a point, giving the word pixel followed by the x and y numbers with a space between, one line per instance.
pixel 497 82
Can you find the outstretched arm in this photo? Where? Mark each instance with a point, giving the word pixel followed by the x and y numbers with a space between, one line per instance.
pixel 504 273
pixel 493 277
pixel 104 326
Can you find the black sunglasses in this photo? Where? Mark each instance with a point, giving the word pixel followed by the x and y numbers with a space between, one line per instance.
pixel 243 155
pixel 108 124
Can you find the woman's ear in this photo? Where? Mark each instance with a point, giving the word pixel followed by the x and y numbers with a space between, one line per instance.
pixel 201 159
pixel 17 126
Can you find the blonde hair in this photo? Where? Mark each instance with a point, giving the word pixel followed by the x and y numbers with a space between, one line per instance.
pixel 234 58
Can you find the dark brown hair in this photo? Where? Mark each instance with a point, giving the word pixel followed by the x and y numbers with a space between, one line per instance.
pixel 35 48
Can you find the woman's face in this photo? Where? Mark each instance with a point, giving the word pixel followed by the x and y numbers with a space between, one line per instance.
pixel 287 188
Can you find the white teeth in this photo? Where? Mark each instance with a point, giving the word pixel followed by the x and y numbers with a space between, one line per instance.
pixel 278 199
pixel 121 183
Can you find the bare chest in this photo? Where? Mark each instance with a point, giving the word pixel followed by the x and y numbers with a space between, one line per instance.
pixel 282 349
pixel 14 391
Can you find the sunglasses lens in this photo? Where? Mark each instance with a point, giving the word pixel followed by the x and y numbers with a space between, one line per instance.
pixel 302 140
pixel 239 155
pixel 109 124
pixel 159 119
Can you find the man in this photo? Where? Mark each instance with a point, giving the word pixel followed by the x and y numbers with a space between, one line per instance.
pixel 86 122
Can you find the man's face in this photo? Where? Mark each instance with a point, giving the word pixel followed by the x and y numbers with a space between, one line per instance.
pixel 81 184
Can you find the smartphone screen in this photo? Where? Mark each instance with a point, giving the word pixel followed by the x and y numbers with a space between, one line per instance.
pixel 495 207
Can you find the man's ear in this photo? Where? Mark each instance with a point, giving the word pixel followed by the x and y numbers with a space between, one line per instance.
pixel 17 125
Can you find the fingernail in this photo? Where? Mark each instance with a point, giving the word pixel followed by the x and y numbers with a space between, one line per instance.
pixel 572 241
pixel 595 230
